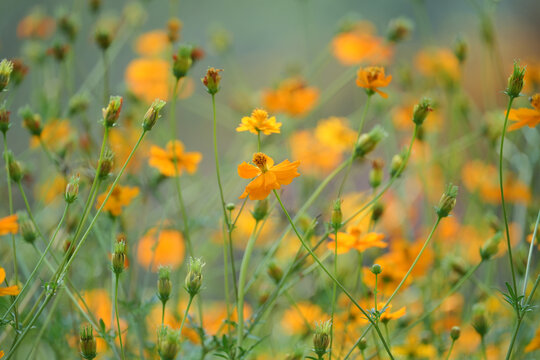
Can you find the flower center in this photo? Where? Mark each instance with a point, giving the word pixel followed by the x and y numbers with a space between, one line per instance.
pixel 373 73
pixel 260 160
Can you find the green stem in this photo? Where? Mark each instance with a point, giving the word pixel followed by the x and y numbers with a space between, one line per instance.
pixel 529 257
pixel 321 265
pixel 105 78
pixel 186 314
pixel 508 243
pixel 334 291
pixel 117 316
pixel 483 345
pixel 514 337
pixel 450 350
pixel 241 283
pixel 258 141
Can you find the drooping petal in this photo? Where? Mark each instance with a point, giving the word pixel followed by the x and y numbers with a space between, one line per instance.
pixel 286 171
pixel 248 171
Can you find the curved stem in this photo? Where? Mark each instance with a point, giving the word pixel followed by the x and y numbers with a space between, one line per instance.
pixel 185 314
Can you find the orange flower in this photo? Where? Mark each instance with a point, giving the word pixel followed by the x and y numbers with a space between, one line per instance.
pixel 51 189
pixel 165 247
pixel 121 140
pixel 299 319
pixel 164 160
pixel 441 63
pixel 359 44
pixel 267 176
pixel 526 116
pixel 10 290
pixel 387 315
pixel 371 78
pixel 317 158
pixel 152 43
pixel 37 25
pixel 148 78
pixel 293 97
pixel 121 196
pixel 56 134
pixel 8 225
pixel 336 133
pixel 534 344
pixel 259 122
pixel 354 239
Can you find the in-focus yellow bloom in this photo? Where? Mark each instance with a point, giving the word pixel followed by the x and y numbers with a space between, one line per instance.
pixel 164 159
pixel 267 176
pixel 526 116
pixel 121 196
pixel 372 78
pixel 8 225
pixel 355 239
pixel 259 122
pixel 10 290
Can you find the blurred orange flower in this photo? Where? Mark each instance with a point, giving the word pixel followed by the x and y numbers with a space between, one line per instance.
pixel 149 78
pixel 259 122
pixel 526 116
pixel 51 189
pixel 165 247
pixel 121 196
pixel 292 97
pixel 36 25
pixel 9 290
pixel 267 176
pixel 360 44
pixel 335 133
pixel 56 134
pixel 388 315
pixel 355 239
pixel 299 319
pixel 152 43
pixel 438 63
pixel 121 140
pixel 372 78
pixel 534 344
pixel 164 160
pixel 317 158
pixel 8 225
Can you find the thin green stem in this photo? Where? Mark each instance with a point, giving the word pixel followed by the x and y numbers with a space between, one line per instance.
pixel 185 314
pixel 258 141
pixel 321 265
pixel 105 78
pixel 450 350
pixel 529 257
pixel 334 291
pixel 117 316
pixel 508 243
pixel 483 345
pixel 514 337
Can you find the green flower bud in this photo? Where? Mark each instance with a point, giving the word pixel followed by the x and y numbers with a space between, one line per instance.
pixel 153 114
pixel 275 272
pixel 448 201
pixel 15 168
pixel 376 269
pixel 490 247
pixel 461 49
pixel 119 257
pixel 112 111
pixel 261 210
pixel 168 343
pixel 455 332
pixel 87 343
pixel 321 338
pixel 212 80
pixel 376 173
pixel 479 319
pixel 396 165
pixel 31 121
pixel 182 62
pixel 28 231
pixel 194 277
pixel 4 118
pixel 72 189
pixel 515 81
pixel 377 212
pixel 107 164
pixel 421 111
pixel 164 284
pixel 337 216
pixel 367 142
pixel 362 344
pixel 399 29
pixel 6 67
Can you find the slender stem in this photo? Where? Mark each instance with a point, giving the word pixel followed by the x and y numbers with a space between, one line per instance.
pixel 163 313
pixel 529 298
pixel 321 265
pixel 52 158
pixel 258 141
pixel 44 328
pixel 29 210
pixel 117 316
pixel 241 284
pixel 483 345
pixel 334 291
pixel 514 337
pixel 105 78
pixel 450 350
pixel 375 291
pixel 508 243
pixel 185 314
pixel 529 258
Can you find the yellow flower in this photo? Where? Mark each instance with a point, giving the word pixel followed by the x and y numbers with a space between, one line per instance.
pixel 51 189
pixel 10 290
pixel 8 225
pixel 152 43
pixel 360 44
pixel 335 133
pixel 354 239
pixel 164 160
pixel 317 158
pixel 414 349
pixel 121 196
pixel 267 176
pixel 165 247
pixel 388 315
pixel 299 319
pixel 372 78
pixel 56 134
pixel 292 97
pixel 441 63
pixel 149 78
pixel 526 116
pixel 259 122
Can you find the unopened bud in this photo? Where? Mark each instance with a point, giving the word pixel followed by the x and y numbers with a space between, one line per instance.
pixel 367 142
pixel 174 25
pixel 87 343
pixel 376 173
pixel 396 166
pixel 515 81
pixel 362 344
pixel 168 343
pixel 337 215
pixel 31 121
pixel 72 189
pixel 153 114
pixel 4 119
pixel 6 67
pixel 230 206
pixel 182 62
pixel 211 80
pixel 455 332
pixel 448 201
pixel 376 269
pixel 399 29
pixel 461 49
pixel 377 212
pixel 479 319
pixel 490 247
pixel 107 164
pixel 421 111
pixel 28 231
pixel 194 276
pixel 14 167
pixel 112 111
pixel 119 257
pixel 275 272
pixel 321 338
pixel 261 210
pixel 164 284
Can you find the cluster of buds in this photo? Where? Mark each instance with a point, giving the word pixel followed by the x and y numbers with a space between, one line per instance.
pixel 261 210
pixel 107 164
pixel 72 189
pixel 119 257
pixel 447 201
pixel 211 80
pixel 421 111
pixel 87 344
pixel 168 343
pixel 337 216
pixel 376 173
pixel 367 142
pixel 27 228
pixel 174 26
pixel 399 29
pixel 321 338
pixel 182 61
pixel 515 81
pixel 112 112
pixel 194 276
pixel 14 167
pixel 164 284
pixel 31 121
pixel 153 114
pixel 6 68
pixel 5 124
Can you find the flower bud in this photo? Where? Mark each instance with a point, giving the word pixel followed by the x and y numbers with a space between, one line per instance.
pixel 15 169
pixel 396 165
pixel 87 343
pixel 168 343
pixel 164 284
pixel 31 121
pixel 19 71
pixel 182 62
pixel 94 5
pixel 112 111
pixel 367 142
pixel 421 111
pixel 337 216
pixel 78 104
pixel 377 212
pixel 194 277
pixel 211 80
pixel 362 344
pixel 376 173
pixel 515 81
pixel 68 26
pixel 103 37
pixel 490 247
pixel 448 201
pixel 119 257
pixel 321 338
pixel 479 319
pixel 261 210
pixel 28 231
pixel 6 67
pixel 152 115
pixel 455 332
pixel 399 29
pixel 5 124
pixel 461 49
pixel 58 51
pixel 275 272
pixel 174 25
pixel 72 189
pixel 376 269
pixel 106 165
pixel 230 207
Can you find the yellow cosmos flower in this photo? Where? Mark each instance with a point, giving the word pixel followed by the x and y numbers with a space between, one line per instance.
pixel 372 78
pixel 8 225
pixel 120 197
pixel 10 290
pixel 164 159
pixel 259 122
pixel 525 116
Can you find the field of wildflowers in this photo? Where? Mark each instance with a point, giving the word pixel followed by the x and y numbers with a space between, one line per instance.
pixel 368 190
